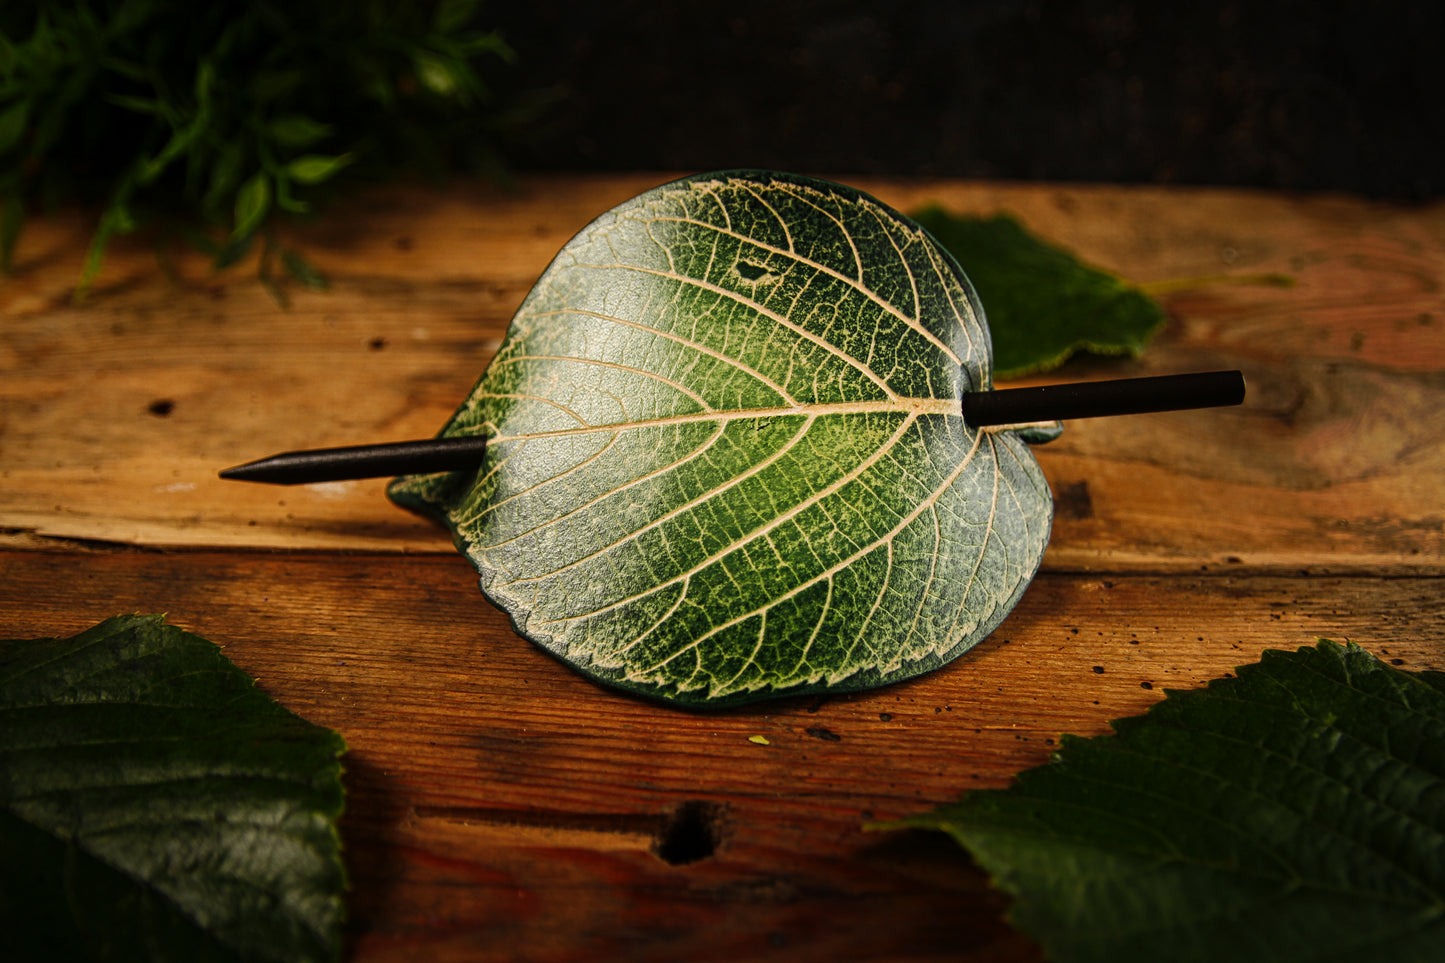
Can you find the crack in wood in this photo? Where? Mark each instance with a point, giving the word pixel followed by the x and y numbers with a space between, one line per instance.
pixel 692 831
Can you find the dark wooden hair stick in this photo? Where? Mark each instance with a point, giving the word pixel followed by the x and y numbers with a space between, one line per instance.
pixel 1095 399
pixel 364 461
pixel 1008 406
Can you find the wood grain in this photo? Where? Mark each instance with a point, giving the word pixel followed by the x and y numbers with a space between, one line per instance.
pixel 503 808
pixel 498 801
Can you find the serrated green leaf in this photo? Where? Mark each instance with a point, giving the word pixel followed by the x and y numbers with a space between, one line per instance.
pixel 1043 303
pixel 315 168
pixel 1296 812
pixel 727 456
pixel 253 200
pixel 155 805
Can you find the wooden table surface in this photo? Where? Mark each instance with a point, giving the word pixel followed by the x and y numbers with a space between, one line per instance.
pixel 501 807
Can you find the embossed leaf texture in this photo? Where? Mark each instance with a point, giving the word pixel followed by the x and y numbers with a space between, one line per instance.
pixel 727 459
pixel 1296 812
pixel 155 805
pixel 1044 304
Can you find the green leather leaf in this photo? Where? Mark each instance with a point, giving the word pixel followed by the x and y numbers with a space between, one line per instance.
pixel 1296 812
pixel 155 805
pixel 727 459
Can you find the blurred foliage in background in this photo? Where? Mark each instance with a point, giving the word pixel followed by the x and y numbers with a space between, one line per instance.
pixel 212 116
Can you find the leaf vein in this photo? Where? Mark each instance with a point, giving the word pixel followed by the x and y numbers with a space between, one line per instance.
pixel 857 284
pixel 836 568
pixel 781 320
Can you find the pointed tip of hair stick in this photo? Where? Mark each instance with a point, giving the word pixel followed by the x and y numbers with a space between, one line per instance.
pixel 462 453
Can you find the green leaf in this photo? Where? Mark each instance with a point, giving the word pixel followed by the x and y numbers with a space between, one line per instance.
pixel 303 271
pixel 225 174
pixel 205 82
pixel 436 74
pixel 271 85
pixel 727 456
pixel 12 124
pixel 199 240
pixel 452 15
pixel 180 141
pixel 296 131
pixel 140 105
pixel 1296 812
pixel 155 805
pixel 253 200
pixel 116 219
pixel 180 110
pixel 315 168
pixel 234 251
pixel 1043 303
pixel 267 279
pixel 284 198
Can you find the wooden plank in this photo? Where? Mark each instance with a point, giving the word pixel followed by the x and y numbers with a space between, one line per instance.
pixel 502 807
pixel 115 413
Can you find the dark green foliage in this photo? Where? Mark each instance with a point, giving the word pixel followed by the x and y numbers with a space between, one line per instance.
pixel 155 805
pixel 228 111
pixel 1043 304
pixel 1296 812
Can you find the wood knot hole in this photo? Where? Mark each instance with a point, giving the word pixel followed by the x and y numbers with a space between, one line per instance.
pixel 691 833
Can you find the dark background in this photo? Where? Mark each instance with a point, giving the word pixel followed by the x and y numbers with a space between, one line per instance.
pixel 1301 96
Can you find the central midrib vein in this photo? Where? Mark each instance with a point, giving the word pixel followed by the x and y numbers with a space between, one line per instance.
pixel 902 406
